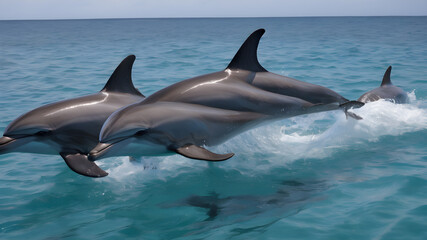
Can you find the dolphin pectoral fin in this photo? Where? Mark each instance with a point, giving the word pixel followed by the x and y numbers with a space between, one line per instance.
pixel 352 104
pixel 199 153
pixel 80 164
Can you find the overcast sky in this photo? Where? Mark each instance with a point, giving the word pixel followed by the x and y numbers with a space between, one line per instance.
pixel 78 9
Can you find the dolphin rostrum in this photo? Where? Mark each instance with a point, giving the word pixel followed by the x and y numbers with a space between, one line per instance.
pixel 246 86
pixel 71 127
pixel 386 91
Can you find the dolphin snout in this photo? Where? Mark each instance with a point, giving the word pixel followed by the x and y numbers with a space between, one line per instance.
pixel 99 151
pixel 8 144
pixel 5 142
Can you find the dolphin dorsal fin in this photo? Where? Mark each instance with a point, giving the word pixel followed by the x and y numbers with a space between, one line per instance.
pixel 121 79
pixel 246 58
pixel 386 78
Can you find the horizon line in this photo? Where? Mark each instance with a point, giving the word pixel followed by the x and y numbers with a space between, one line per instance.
pixel 130 18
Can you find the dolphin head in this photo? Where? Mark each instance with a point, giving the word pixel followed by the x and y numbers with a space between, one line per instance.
pixel 26 128
pixel 54 128
pixel 126 132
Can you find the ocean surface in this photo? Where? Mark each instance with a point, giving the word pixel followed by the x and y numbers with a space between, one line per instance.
pixel 317 176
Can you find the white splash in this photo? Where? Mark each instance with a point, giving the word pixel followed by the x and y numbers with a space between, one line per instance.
pixel 289 140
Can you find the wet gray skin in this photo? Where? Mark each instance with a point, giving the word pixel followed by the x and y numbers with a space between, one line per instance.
pixel 71 127
pixel 246 86
pixel 386 91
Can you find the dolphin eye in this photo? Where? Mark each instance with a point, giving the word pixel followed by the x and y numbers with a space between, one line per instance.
pixel 140 133
pixel 43 133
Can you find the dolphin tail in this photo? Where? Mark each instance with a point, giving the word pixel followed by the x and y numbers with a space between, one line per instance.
pixel 349 105
pixel 199 153
pixel 80 164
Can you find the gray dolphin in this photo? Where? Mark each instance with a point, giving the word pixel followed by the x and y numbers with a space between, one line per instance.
pixel 246 86
pixel 209 109
pixel 163 128
pixel 386 91
pixel 71 127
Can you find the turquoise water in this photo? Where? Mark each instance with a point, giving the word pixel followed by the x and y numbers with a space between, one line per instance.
pixel 317 176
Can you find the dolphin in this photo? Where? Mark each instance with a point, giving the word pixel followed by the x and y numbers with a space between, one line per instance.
pixel 164 128
pixel 71 127
pixel 386 91
pixel 212 108
pixel 244 85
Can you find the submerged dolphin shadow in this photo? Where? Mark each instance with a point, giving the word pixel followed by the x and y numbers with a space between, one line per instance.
pixel 290 194
pixel 291 198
